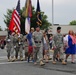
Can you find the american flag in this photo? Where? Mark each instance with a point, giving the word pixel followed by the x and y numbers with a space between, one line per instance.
pixel 15 20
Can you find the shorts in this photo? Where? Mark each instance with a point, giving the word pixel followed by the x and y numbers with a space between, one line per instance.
pixel 30 50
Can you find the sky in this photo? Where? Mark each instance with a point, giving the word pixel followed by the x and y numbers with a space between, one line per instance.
pixel 64 10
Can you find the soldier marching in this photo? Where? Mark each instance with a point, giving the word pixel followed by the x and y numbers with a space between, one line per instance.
pixel 30 47
pixel 10 46
pixel 38 45
pixel 58 46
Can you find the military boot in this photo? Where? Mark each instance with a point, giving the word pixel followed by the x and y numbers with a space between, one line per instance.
pixel 54 62
pixel 9 60
pixel 12 59
pixel 21 58
pixel 49 58
pixel 63 62
pixel 42 63
pixel 16 59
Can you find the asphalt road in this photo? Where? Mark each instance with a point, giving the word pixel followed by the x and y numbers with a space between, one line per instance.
pixel 24 68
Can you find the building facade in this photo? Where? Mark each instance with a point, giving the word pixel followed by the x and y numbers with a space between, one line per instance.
pixel 3 34
pixel 64 28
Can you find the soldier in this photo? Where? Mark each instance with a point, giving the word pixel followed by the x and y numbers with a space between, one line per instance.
pixel 38 45
pixel 9 46
pixel 16 46
pixel 25 46
pixel 58 46
pixel 20 46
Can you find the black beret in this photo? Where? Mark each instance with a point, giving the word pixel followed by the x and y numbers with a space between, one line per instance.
pixel 58 28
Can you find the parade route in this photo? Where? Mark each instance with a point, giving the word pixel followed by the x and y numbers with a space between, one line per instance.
pixel 25 68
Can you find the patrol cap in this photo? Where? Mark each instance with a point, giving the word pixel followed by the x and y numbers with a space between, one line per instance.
pixel 58 28
pixel 32 28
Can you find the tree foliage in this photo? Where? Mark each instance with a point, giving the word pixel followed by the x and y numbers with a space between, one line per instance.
pixel 73 22
pixel 45 23
pixel 8 17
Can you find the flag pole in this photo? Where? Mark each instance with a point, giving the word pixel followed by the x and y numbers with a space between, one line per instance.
pixel 52 16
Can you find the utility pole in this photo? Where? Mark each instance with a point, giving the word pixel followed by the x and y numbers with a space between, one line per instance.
pixel 52 16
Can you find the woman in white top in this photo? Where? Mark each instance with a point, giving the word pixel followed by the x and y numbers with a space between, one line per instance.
pixel 46 46
pixel 65 40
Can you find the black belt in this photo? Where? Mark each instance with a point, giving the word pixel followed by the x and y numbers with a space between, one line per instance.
pixel 37 41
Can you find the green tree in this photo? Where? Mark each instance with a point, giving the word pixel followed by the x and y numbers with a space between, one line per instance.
pixel 73 22
pixel 45 23
pixel 8 17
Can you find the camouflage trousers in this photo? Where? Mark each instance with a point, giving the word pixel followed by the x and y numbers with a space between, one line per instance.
pixel 19 51
pixel 60 52
pixel 10 52
pixel 38 53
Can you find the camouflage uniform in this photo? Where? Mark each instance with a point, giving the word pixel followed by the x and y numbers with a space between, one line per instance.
pixel 25 46
pixel 16 46
pixel 58 45
pixel 20 46
pixel 38 42
pixel 10 47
